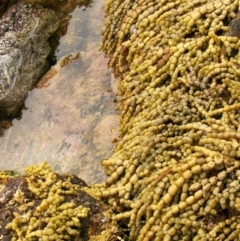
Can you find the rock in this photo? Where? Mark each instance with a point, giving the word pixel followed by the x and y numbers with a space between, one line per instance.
pixel 24 31
pixel 60 6
pixel 5 4
pixel 44 205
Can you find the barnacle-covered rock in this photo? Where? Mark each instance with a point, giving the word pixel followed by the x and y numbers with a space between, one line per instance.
pixel 24 47
pixel 175 172
pixel 43 205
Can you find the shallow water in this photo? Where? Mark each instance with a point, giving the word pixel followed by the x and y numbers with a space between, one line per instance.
pixel 70 119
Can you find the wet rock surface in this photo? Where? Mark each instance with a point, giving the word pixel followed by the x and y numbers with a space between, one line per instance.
pixel 24 31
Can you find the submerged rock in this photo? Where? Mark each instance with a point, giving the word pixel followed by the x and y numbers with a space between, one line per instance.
pixel 24 31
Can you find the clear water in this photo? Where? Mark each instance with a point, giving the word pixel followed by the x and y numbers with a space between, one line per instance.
pixel 70 119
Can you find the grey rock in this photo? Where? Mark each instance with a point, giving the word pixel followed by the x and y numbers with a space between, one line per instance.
pixel 24 48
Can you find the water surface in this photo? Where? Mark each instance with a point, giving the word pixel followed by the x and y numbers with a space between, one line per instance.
pixel 70 120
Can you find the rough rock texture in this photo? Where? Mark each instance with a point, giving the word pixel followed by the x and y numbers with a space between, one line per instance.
pixel 43 205
pixel 63 10
pixel 24 31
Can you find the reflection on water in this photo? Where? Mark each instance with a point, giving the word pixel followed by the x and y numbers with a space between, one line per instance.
pixel 72 120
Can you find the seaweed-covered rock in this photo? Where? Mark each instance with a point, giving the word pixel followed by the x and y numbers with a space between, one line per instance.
pixel 24 31
pixel 175 171
pixel 43 205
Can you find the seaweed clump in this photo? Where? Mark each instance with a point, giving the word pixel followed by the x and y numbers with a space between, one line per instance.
pixel 43 205
pixel 175 172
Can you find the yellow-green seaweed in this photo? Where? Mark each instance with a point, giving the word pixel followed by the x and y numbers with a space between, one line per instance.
pixel 43 205
pixel 175 172
pixel 53 218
